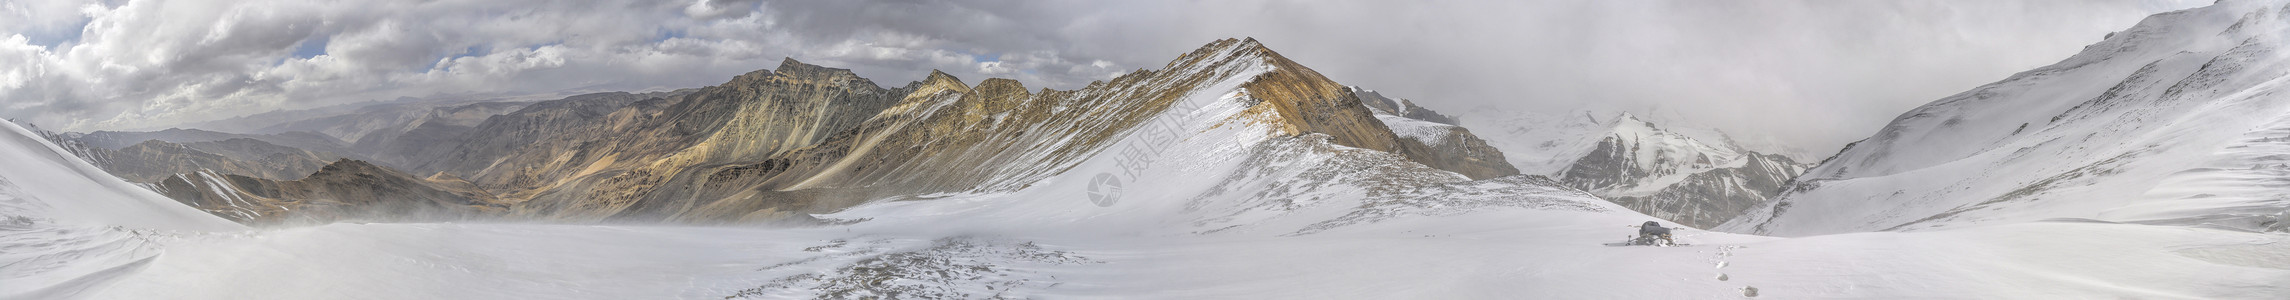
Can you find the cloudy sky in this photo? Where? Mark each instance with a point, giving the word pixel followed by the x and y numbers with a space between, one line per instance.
pixel 1812 74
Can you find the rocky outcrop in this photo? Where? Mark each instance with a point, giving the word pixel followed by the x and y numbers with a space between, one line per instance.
pixel 1403 108
pixel 593 156
pixel 1434 139
pixel 1455 149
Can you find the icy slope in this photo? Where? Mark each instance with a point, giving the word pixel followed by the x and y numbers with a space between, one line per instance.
pixel 44 181
pixel 66 226
pixel 2171 121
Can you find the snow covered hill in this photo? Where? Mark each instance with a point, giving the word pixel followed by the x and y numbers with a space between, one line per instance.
pixel 2178 120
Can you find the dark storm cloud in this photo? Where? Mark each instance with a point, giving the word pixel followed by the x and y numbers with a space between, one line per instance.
pixel 1835 70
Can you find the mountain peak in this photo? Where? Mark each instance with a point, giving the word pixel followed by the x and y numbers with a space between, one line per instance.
pixel 1000 85
pixel 346 164
pixel 1627 120
pixel 789 62
pixel 1227 50
pixel 937 76
pixel 1250 43
pixel 940 81
pixel 1002 90
pixel 792 69
pixel 1627 117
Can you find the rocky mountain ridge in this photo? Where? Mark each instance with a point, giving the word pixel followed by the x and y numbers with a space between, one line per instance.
pixel 778 145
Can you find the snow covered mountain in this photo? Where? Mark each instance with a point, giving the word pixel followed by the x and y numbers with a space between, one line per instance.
pixel 1676 177
pixel 1233 206
pixel 2180 119
pixel 1700 179
pixel 800 139
pixel 1248 152
pixel 779 145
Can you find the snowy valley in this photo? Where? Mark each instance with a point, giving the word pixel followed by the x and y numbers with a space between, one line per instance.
pixel 2147 167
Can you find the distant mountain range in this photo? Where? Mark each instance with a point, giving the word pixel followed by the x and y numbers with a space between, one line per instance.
pixel 1699 178
pixel 779 145
pixel 768 146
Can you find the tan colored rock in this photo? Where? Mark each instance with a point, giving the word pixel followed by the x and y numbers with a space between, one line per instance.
pixel 778 145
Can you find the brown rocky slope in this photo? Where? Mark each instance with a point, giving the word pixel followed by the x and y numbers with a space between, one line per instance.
pixel 777 145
